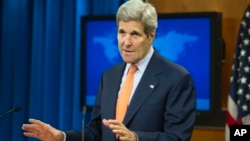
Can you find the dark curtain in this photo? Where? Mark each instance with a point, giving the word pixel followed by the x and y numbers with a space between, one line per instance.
pixel 40 61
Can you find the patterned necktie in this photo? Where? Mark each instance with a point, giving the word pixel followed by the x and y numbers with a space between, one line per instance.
pixel 123 99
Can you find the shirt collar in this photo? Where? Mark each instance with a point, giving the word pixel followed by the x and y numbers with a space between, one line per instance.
pixel 142 64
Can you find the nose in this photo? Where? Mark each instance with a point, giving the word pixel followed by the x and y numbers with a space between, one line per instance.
pixel 127 41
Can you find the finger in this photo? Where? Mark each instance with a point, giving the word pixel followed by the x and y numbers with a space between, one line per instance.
pixel 123 136
pixel 37 122
pixel 123 139
pixel 115 122
pixel 105 122
pixel 108 124
pixel 119 132
pixel 39 126
pixel 33 135
pixel 28 134
pixel 127 138
pixel 30 127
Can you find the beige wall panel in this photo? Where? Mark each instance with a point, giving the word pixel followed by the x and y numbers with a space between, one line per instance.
pixel 232 11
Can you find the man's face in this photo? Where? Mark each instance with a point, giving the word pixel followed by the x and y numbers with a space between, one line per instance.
pixel 133 42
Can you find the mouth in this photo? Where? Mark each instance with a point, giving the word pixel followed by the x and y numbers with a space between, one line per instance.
pixel 127 52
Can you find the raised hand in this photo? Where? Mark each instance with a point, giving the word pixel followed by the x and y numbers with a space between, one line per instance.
pixel 42 131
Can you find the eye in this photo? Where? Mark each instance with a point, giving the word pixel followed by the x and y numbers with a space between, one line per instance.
pixel 135 34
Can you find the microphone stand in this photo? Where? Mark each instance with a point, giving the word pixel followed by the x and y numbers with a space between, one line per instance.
pixel 84 109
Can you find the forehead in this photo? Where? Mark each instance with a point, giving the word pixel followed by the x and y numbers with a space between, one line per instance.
pixel 130 25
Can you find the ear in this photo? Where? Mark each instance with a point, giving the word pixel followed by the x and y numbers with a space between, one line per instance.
pixel 151 37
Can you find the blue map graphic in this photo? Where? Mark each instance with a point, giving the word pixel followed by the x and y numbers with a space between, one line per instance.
pixel 183 41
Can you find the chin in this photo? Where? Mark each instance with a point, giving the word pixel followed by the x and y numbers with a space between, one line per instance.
pixel 129 60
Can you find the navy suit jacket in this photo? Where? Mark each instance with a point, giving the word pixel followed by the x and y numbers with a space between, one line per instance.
pixel 162 108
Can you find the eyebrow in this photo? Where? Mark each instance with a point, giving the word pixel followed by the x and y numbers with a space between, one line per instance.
pixel 121 30
pixel 134 32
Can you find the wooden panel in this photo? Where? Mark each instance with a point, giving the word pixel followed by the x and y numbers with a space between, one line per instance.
pixel 232 11
pixel 230 8
pixel 230 31
pixel 165 6
pixel 201 134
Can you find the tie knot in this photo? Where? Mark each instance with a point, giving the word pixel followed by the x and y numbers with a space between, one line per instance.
pixel 132 69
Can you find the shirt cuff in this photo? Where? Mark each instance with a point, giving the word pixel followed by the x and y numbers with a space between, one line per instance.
pixel 64 136
pixel 136 136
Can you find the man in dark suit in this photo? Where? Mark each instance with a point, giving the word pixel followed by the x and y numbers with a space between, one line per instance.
pixel 161 105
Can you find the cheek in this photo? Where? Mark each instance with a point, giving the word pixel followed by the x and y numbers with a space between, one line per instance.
pixel 120 41
pixel 143 49
pixel 140 51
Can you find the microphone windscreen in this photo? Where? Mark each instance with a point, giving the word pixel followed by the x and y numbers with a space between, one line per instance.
pixel 16 109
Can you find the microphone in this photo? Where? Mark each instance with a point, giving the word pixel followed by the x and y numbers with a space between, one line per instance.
pixel 14 109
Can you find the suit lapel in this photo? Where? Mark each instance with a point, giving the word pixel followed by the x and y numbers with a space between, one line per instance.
pixel 145 88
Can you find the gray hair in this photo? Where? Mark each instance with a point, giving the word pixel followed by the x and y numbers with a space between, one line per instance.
pixel 136 10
